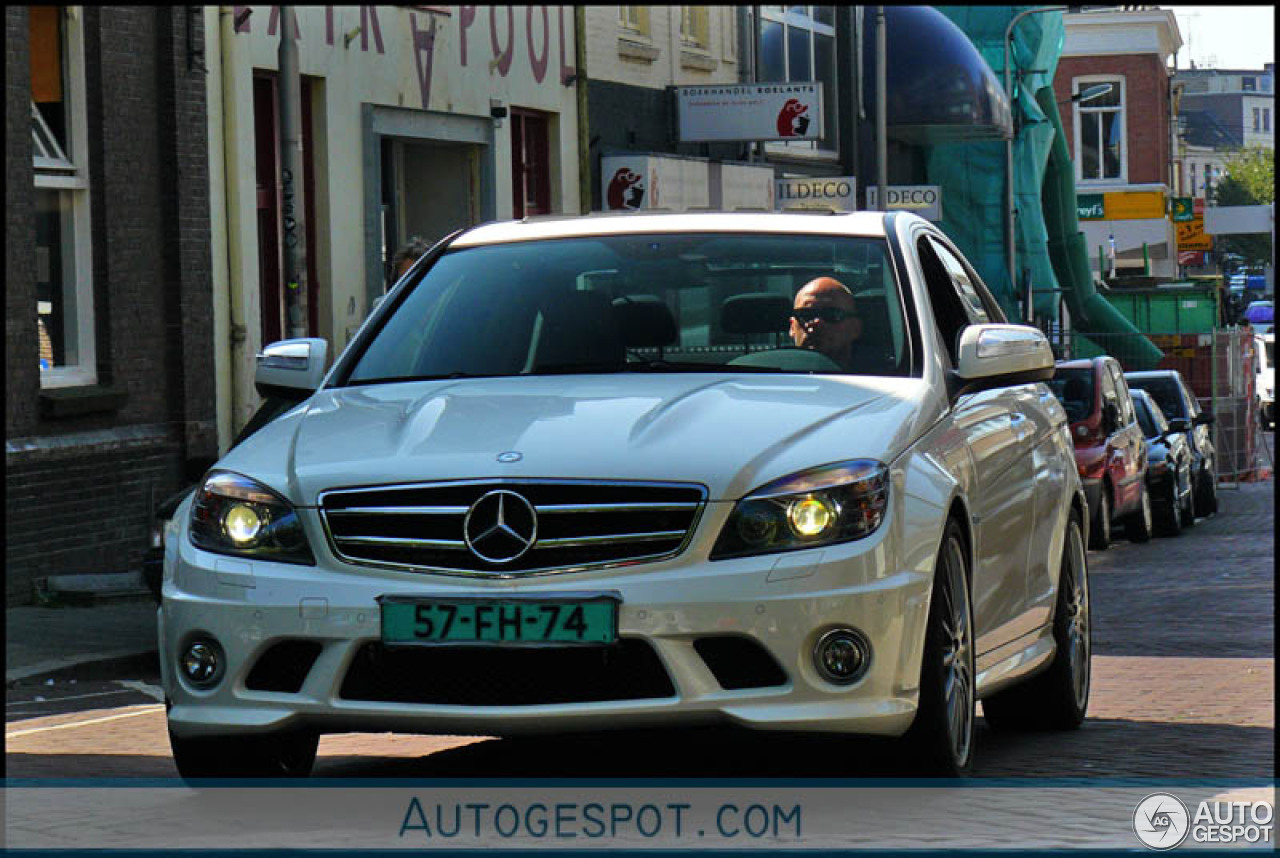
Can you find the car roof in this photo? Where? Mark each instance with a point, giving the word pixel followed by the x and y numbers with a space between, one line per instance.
pixel 1153 373
pixel 1080 363
pixel 869 224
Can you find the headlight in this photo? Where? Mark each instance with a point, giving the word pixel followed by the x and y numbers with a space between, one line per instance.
pixel 235 515
pixel 824 506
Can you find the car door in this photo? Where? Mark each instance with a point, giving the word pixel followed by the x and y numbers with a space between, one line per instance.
pixel 1130 445
pixel 999 435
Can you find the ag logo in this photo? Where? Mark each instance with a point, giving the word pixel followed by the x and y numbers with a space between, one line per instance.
pixel 1161 821
pixel 626 190
pixel 792 121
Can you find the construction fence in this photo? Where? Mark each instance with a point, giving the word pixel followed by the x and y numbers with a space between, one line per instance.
pixel 1219 368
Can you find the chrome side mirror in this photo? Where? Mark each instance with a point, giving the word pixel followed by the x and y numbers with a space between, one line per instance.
pixel 290 367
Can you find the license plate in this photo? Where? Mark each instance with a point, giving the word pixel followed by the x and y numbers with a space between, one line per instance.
pixel 589 621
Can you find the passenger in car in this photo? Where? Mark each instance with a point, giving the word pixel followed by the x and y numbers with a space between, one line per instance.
pixel 823 318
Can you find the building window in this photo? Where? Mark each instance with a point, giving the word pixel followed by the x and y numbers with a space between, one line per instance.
pixel 634 20
pixel 1193 180
pixel 798 43
pixel 695 27
pixel 1100 131
pixel 1257 119
pixel 729 29
pixel 1266 120
pixel 64 284
pixel 1249 84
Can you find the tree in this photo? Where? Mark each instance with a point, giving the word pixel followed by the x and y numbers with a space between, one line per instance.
pixel 1250 180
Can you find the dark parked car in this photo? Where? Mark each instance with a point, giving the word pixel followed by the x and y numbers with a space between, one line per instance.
pixel 1110 448
pixel 1171 392
pixel 1168 467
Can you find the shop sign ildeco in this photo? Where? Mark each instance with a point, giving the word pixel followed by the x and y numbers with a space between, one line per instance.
pixel 924 200
pixel 828 193
pixel 753 111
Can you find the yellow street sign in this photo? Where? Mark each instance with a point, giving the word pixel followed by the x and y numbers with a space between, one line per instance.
pixel 1191 235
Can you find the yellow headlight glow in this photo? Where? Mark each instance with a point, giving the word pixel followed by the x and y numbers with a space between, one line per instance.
pixel 242 524
pixel 810 516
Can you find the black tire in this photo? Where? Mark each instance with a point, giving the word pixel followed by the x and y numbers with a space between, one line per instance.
pixel 1137 525
pixel 1170 517
pixel 1207 494
pixel 1100 523
pixel 1189 506
pixel 941 737
pixel 287 755
pixel 1058 698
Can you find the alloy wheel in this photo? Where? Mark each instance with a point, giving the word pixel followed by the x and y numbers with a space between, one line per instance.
pixel 957 655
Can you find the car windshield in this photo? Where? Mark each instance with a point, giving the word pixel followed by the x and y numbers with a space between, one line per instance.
pixel 1164 391
pixel 640 303
pixel 1074 387
pixel 1145 418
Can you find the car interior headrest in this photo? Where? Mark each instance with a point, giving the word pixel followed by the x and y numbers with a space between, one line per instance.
pixel 645 321
pixel 755 313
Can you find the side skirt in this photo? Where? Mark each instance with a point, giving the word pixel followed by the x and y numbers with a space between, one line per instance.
pixel 1015 661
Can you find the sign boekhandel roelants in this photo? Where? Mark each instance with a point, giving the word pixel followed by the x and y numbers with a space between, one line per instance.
pixel 749 111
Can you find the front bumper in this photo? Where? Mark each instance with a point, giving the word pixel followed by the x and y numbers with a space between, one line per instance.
pixel 783 603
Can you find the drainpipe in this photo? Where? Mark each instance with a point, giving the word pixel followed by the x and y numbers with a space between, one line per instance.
pixel 584 128
pixel 292 188
pixel 882 112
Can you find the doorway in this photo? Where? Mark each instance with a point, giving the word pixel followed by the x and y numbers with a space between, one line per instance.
pixel 266 115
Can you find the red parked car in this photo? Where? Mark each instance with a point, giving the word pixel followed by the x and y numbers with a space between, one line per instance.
pixel 1111 450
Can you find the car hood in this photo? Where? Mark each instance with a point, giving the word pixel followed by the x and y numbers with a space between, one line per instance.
pixel 729 434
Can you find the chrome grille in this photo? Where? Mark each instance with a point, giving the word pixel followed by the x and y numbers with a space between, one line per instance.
pixel 579 524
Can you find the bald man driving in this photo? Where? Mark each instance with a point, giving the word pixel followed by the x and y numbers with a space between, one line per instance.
pixel 822 319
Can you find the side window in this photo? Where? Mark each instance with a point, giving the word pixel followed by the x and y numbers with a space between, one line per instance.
pixel 949 312
pixel 1127 415
pixel 973 306
pixel 1109 397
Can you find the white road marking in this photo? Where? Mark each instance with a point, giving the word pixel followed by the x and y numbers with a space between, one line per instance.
pixel 147 709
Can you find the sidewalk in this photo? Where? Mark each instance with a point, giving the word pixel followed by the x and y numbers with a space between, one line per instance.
pixel 42 640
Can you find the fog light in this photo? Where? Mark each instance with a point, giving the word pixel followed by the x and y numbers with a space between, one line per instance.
pixel 202 662
pixel 842 656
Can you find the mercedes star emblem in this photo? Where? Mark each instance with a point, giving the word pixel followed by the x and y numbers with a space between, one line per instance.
pixel 500 527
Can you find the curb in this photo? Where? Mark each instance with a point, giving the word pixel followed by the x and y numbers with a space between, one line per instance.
pixel 105 665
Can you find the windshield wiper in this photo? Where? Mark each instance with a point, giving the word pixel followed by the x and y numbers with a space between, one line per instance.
pixel 398 379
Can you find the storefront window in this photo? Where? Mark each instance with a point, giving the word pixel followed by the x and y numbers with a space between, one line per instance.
pixel 64 294
pixel 797 43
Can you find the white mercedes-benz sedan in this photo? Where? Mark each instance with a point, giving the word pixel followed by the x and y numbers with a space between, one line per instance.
pixel 780 471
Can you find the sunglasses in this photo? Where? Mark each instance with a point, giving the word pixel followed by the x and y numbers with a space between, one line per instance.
pixel 805 315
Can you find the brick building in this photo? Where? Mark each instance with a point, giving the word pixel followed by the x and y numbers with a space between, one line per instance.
pixel 1113 87
pixel 109 396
